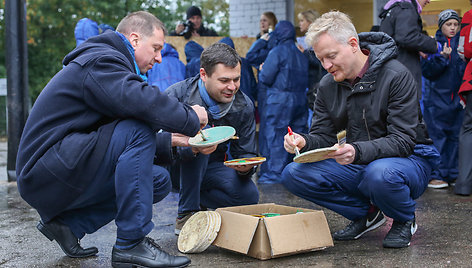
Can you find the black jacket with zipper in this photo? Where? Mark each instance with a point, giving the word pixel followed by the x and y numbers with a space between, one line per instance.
pixel 379 113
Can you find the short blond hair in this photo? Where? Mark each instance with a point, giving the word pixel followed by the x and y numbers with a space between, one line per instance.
pixel 335 23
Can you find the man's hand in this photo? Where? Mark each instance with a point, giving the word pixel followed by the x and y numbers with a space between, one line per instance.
pixel 344 155
pixel 243 168
pixel 290 143
pixel 179 140
pixel 179 28
pixel 204 150
pixel 202 115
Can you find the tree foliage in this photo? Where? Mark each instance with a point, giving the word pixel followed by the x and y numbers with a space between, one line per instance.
pixel 51 23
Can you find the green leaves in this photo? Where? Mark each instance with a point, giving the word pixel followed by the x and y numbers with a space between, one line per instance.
pixel 51 24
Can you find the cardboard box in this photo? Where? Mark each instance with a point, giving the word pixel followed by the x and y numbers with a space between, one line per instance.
pixel 271 237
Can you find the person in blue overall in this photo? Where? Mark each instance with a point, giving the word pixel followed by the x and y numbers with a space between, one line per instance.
pixel 381 167
pixel 193 51
pixel 205 182
pixel 443 112
pixel 285 75
pixel 86 153
pixel 170 71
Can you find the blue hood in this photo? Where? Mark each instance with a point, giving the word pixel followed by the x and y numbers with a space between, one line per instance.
pixel 193 50
pixel 169 51
pixel 284 30
pixel 228 41
pixel 84 29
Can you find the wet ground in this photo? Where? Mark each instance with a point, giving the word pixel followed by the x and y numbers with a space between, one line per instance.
pixel 443 239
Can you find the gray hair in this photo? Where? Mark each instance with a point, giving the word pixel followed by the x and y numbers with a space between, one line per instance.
pixel 335 23
pixel 141 22
pixel 218 53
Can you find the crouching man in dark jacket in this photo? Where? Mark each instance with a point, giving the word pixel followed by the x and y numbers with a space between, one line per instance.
pixel 381 168
pixel 204 180
pixel 87 150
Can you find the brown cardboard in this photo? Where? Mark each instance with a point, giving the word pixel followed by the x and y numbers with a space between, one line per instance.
pixel 271 237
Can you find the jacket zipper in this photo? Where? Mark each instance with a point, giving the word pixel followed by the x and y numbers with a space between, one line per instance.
pixel 365 121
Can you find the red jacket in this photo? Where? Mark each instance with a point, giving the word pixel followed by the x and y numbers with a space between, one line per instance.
pixel 465 51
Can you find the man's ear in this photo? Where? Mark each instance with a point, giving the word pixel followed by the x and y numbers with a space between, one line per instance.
pixel 133 38
pixel 203 74
pixel 354 44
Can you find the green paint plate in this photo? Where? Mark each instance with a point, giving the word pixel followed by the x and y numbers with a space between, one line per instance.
pixel 214 135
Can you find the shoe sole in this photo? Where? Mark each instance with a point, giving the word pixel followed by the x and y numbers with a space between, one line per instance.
pixel 439 186
pixel 371 228
pixel 132 265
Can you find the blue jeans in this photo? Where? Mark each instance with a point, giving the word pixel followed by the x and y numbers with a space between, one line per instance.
pixel 391 184
pixel 212 185
pixel 124 188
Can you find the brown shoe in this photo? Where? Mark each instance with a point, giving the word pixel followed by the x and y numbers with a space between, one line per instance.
pixel 181 220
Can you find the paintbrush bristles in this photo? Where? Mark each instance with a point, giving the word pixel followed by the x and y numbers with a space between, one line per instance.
pixel 341 138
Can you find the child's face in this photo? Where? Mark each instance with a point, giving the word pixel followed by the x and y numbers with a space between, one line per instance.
pixel 450 28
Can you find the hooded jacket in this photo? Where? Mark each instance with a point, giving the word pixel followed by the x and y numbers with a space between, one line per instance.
pixel 71 123
pixel 379 113
pixel 193 50
pixel 403 23
pixel 170 71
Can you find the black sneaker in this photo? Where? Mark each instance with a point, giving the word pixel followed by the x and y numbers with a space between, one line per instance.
pixel 400 234
pixel 359 227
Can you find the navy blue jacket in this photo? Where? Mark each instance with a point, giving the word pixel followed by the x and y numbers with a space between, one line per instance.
pixel 444 74
pixel 71 122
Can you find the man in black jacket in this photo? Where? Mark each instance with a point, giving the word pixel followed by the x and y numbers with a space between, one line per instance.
pixel 401 20
pixel 204 180
pixel 193 26
pixel 381 168
pixel 86 154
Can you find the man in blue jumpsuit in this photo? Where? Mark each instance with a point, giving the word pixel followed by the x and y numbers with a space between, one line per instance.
pixel 205 182
pixel 382 167
pixel 87 150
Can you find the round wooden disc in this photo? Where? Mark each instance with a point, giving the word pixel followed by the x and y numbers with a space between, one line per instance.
pixel 199 232
pixel 214 135
pixel 314 155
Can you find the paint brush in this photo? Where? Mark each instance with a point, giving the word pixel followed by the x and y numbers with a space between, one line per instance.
pixel 290 133
pixel 341 138
pixel 203 136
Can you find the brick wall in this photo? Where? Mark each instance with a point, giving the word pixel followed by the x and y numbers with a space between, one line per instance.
pixel 244 15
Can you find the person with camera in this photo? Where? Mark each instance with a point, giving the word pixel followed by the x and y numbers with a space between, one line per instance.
pixel 193 25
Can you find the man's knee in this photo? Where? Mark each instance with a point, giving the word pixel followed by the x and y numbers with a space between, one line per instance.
pixel 379 176
pixel 133 129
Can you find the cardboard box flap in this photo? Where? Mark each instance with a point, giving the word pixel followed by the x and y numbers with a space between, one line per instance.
pixel 298 232
pixel 236 231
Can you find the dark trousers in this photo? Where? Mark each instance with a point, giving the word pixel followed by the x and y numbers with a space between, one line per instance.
pixel 212 185
pixel 391 184
pixel 464 181
pixel 124 188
